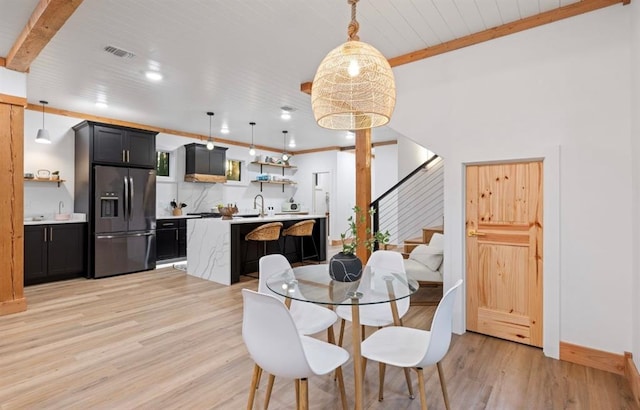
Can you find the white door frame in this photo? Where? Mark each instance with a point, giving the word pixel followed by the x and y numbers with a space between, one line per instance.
pixel 455 248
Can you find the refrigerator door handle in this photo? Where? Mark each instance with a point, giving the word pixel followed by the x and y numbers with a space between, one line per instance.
pixel 126 203
pixel 123 236
pixel 130 196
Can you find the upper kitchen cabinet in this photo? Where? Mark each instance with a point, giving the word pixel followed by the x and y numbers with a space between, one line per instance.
pixel 115 145
pixel 203 165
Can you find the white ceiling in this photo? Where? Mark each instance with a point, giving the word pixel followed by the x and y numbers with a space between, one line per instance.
pixel 242 59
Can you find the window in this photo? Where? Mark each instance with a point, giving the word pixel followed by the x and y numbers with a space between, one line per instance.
pixel 162 163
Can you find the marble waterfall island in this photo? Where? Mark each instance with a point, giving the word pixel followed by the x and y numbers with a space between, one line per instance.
pixel 217 251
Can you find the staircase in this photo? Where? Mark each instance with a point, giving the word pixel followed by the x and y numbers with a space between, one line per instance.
pixel 427 233
pixel 413 209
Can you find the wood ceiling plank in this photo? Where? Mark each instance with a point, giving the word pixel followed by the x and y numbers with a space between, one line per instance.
pixel 551 16
pixel 45 21
pixel 561 13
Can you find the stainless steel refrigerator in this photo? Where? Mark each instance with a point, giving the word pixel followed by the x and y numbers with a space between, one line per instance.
pixel 124 220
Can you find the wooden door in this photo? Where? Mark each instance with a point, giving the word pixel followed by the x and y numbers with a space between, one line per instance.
pixel 504 251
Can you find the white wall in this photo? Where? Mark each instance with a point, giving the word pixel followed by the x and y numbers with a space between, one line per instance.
pixel 410 155
pixel 519 97
pixel 43 198
pixel 13 83
pixel 635 176
pixel 384 172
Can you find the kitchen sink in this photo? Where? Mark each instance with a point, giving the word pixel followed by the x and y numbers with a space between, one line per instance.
pixel 246 216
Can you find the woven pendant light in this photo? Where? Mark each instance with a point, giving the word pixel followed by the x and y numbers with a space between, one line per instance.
pixel 354 86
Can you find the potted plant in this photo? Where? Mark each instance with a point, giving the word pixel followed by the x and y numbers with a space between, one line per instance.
pixel 345 266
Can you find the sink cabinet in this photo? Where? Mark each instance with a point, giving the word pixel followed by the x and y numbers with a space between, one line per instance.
pixel 54 252
pixel 171 239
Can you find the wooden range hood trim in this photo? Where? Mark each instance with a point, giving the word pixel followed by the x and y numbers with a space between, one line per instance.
pixel 205 178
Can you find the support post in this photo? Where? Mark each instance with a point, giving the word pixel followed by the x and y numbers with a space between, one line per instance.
pixel 363 187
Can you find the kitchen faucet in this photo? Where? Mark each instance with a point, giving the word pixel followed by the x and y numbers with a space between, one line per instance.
pixel 255 200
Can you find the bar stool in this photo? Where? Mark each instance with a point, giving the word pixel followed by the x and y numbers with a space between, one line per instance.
pixel 301 229
pixel 264 233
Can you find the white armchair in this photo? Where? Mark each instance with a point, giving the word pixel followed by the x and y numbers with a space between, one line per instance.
pixel 425 261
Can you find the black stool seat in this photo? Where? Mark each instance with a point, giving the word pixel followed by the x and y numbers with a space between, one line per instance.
pixel 264 233
pixel 302 229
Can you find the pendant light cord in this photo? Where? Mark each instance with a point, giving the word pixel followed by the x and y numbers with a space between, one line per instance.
pixel 354 26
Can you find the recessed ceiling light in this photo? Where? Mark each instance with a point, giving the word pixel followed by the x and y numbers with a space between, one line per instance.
pixel 224 130
pixel 101 104
pixel 286 112
pixel 153 75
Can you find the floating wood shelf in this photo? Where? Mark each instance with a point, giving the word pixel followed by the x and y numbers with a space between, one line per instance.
pixel 58 181
pixel 273 165
pixel 283 183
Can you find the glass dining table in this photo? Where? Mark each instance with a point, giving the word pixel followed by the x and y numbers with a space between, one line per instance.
pixel 312 284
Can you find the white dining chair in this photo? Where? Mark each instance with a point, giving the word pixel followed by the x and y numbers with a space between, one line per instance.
pixel 415 348
pixel 308 317
pixel 378 315
pixel 276 346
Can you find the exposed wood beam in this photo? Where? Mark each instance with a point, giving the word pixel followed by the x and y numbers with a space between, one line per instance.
pixel 112 121
pixel 363 189
pixel 3 62
pixel 547 17
pixel 45 21
pixel 13 100
pixel 12 298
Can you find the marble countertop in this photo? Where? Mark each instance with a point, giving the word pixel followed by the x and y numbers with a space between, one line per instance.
pixel 49 220
pixel 177 217
pixel 276 218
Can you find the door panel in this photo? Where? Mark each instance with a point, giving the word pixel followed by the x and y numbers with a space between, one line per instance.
pixel 108 144
pixel 142 148
pixel 143 199
pixel 504 251
pixel 110 199
pixel 124 254
pixel 35 253
pixel 66 249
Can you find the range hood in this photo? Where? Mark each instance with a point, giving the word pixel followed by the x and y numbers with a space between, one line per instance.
pixel 204 165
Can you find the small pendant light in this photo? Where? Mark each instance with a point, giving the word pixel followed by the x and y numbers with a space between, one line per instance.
pixel 252 149
pixel 43 134
pixel 285 156
pixel 210 140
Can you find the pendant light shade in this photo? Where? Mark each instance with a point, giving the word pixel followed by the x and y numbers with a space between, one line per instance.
pixel 354 87
pixel 285 156
pixel 252 149
pixel 210 145
pixel 43 134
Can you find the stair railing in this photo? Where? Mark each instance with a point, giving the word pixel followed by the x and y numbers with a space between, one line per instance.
pixel 416 201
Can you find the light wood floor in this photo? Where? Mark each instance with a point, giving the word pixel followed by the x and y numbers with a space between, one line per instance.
pixel 165 340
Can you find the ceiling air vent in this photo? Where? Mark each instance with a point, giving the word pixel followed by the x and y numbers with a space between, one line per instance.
pixel 119 52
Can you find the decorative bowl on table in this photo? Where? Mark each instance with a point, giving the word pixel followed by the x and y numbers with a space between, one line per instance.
pixel 227 211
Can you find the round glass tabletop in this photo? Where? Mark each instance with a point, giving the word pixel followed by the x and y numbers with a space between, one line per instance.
pixel 312 283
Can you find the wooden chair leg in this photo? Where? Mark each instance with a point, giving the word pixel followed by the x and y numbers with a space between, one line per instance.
pixel 342 322
pixel 444 386
pixel 343 394
pixel 407 376
pixel 362 332
pixel 381 369
pixel 297 383
pixel 423 393
pixel 304 395
pixel 364 367
pixel 257 371
pixel 267 396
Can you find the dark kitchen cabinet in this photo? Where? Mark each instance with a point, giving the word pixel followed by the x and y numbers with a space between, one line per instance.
pixel 171 239
pixel 54 252
pixel 116 145
pixel 203 165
